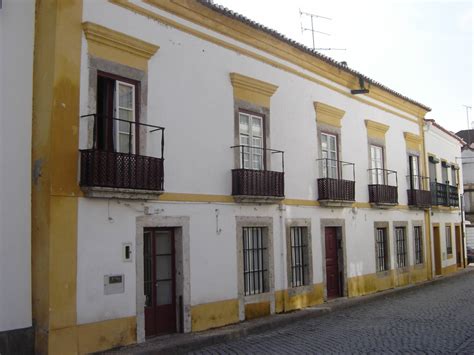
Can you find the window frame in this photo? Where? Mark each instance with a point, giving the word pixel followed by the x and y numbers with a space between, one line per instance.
pixel 261 117
pixel 385 266
pixel 112 106
pixel 377 178
pixel 261 272
pixel 300 249
pixel 418 251
pixel 401 247
pixel 336 151
pixel 449 239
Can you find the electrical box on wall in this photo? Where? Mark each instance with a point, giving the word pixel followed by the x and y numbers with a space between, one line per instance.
pixel 127 252
pixel 114 284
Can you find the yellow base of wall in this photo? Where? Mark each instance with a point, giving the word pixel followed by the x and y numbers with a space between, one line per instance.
pixel 92 337
pixel 213 315
pixel 257 310
pixel 286 302
pixel 449 269
pixel 371 283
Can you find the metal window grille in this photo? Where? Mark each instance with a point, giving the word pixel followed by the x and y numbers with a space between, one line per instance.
pixel 449 243
pixel 418 245
pixel 382 249
pixel 299 264
pixel 401 246
pixel 254 250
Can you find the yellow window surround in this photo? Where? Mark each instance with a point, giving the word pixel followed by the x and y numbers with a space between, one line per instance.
pixel 376 129
pixel 328 115
pixel 413 141
pixel 252 90
pixel 118 47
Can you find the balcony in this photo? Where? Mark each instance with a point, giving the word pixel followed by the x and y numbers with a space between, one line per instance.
pixel 257 185
pixel 419 195
pixel 383 190
pixel 444 194
pixel 336 187
pixel 106 172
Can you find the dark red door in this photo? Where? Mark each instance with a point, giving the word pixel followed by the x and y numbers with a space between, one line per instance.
pixel 332 263
pixel 159 281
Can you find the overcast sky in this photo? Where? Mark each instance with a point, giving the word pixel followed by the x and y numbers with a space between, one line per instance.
pixel 421 49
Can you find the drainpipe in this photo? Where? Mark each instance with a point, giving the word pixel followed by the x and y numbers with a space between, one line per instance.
pixel 281 209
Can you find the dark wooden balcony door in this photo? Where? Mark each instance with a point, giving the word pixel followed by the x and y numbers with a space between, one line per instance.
pixel 437 250
pixel 159 281
pixel 333 281
pixel 459 253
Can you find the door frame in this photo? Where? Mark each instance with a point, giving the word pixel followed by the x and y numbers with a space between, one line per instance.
pixel 340 224
pixel 438 266
pixel 459 248
pixel 182 252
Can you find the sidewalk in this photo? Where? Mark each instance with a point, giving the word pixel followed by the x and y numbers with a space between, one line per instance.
pixel 182 343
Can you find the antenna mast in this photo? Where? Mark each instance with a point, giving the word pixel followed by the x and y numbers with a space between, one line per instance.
pixel 313 31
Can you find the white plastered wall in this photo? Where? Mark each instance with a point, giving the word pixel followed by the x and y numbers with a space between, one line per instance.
pixel 190 94
pixel 16 67
pixel 448 148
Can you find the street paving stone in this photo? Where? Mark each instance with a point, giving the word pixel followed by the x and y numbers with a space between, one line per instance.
pixel 435 319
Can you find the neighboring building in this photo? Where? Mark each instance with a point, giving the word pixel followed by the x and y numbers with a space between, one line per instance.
pixel 193 169
pixel 446 184
pixel 468 179
pixel 16 69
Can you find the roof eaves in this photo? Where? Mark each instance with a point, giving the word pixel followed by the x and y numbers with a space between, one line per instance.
pixel 232 14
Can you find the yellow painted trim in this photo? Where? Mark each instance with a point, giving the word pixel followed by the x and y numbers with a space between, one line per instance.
pixel 329 115
pixel 445 209
pixel 297 202
pixel 55 192
pixel 375 93
pixel 252 90
pixel 185 197
pixel 214 314
pixel 376 129
pixel 118 47
pixel 412 141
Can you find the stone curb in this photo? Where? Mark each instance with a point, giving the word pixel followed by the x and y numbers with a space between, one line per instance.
pixel 182 343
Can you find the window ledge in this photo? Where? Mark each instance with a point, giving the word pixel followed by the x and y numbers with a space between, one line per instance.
pixel 404 269
pixel 419 266
pixel 125 194
pixel 383 205
pixel 383 274
pixel 335 203
pixel 258 199
pixel 299 290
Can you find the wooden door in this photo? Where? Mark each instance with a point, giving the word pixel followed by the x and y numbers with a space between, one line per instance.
pixel 332 263
pixel 159 281
pixel 437 250
pixel 459 249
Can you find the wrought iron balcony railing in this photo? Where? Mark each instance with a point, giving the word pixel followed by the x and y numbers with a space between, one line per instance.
pixel 383 188
pixel 253 179
pixel 103 165
pixel 337 181
pixel 444 194
pixel 418 192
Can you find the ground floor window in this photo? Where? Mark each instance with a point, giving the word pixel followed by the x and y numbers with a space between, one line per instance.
pixel 381 240
pixel 299 256
pixel 254 253
pixel 400 238
pixel 449 242
pixel 418 245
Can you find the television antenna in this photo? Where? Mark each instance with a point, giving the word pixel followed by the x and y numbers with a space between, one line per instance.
pixel 313 31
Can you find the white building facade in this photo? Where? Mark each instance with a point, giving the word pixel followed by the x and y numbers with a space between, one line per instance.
pixel 192 169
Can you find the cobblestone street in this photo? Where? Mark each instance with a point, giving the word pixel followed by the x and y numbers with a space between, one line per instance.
pixel 438 318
